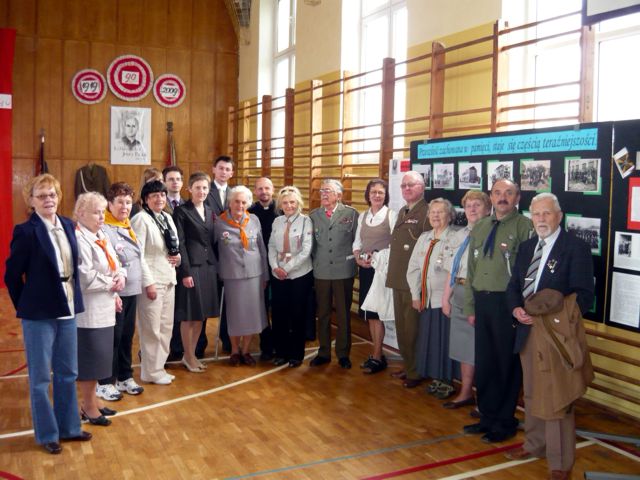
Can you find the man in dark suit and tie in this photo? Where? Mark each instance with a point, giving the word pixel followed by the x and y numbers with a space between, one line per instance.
pixel 217 201
pixel 557 260
pixel 173 179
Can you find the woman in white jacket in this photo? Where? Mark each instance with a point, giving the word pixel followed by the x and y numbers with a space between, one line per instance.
pixel 101 277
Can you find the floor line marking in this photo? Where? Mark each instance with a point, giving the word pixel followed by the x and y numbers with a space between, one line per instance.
pixel 502 466
pixel 614 448
pixel 366 453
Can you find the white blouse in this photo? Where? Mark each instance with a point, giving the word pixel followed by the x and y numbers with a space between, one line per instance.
pixel 300 244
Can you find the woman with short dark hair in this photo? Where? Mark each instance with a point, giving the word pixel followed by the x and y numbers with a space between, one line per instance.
pixel 158 239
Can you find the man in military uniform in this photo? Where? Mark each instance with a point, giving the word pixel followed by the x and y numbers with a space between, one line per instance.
pixel 334 268
pixel 412 221
pixel 493 245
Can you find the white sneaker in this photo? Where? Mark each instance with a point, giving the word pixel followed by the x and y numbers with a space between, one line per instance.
pixel 166 380
pixel 108 392
pixel 129 386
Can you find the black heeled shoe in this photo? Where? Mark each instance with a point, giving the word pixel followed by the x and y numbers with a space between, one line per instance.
pixel 107 412
pixel 101 420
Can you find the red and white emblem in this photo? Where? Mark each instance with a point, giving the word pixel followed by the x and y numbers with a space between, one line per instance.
pixel 169 90
pixel 130 77
pixel 89 86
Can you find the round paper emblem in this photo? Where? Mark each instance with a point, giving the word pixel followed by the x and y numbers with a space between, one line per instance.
pixel 169 90
pixel 89 86
pixel 130 77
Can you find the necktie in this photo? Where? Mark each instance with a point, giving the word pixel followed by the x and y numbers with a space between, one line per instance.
pixel 222 196
pixel 491 239
pixel 425 269
pixel 103 245
pixel 532 271
pixel 455 268
pixel 286 243
pixel 174 204
pixel 328 213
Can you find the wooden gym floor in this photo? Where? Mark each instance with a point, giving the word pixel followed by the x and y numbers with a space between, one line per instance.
pixel 278 423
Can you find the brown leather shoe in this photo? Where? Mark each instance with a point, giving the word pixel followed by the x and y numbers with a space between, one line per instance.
pixel 248 360
pixel 518 454
pixel 411 383
pixel 560 475
pixel 399 374
pixel 235 359
pixel 54 448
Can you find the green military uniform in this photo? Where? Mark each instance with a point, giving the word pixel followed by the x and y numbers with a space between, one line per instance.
pixel 498 374
pixel 409 226
pixel 334 268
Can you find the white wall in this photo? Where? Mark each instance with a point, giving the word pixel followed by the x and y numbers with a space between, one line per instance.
pixel 431 19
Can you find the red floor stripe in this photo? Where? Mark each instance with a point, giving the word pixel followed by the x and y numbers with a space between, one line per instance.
pixel 15 370
pixel 9 476
pixel 12 351
pixel 441 463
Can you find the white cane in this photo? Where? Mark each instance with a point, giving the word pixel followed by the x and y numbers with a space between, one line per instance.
pixel 215 356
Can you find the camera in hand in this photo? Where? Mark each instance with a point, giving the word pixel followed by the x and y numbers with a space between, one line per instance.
pixel 171 242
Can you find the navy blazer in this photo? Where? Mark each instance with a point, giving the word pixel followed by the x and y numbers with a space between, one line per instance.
pixel 568 269
pixel 32 275
pixel 196 237
pixel 213 199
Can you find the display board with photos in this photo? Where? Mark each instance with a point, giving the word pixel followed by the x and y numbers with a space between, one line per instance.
pixel 572 162
pixel 623 303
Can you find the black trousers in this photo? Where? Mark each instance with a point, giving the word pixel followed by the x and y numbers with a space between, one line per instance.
pixel 123 332
pixel 289 310
pixel 266 336
pixel 498 370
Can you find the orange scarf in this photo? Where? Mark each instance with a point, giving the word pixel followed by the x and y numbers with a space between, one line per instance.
pixel 109 219
pixel 243 235
pixel 103 245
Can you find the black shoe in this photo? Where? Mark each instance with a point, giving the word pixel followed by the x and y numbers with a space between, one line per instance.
pixel 345 363
pixel 316 362
pixel 475 428
pixel 54 448
pixel 278 361
pixel 266 356
pixel 499 436
pixel 101 420
pixel 83 437
pixel 107 412
pixel 295 363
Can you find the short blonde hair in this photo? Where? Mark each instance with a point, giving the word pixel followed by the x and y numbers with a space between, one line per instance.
pixel 45 180
pixel 88 200
pixel 290 191
pixel 477 195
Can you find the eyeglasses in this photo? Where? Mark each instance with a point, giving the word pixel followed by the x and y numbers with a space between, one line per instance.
pixel 43 196
pixel 408 185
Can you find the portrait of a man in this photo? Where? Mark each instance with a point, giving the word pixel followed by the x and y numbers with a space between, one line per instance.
pixel 130 136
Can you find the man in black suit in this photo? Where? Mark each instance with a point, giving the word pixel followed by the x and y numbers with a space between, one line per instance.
pixel 560 261
pixel 218 202
pixel 265 209
pixel 173 179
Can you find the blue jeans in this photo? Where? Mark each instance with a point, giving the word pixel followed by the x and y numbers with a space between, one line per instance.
pixel 52 345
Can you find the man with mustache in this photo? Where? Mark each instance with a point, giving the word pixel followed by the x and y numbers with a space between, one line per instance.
pixel 553 259
pixel 493 244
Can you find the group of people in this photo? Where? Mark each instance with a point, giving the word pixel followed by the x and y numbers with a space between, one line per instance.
pixel 454 294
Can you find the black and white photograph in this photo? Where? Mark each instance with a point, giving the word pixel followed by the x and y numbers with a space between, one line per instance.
pixel 626 252
pixel 443 175
pixel 535 175
pixel 582 175
pixel 497 170
pixel 461 218
pixel 130 136
pixel 624 162
pixel 425 171
pixel 587 229
pixel 470 175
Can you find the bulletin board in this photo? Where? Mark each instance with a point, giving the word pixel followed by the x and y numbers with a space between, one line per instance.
pixel 574 163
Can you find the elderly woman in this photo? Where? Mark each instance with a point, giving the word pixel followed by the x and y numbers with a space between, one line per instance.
pixel 101 277
pixel 121 235
pixel 197 290
pixel 42 279
pixel 158 240
pixel 243 268
pixel 148 175
pixel 290 260
pixel 476 205
pixel 426 277
pixel 373 235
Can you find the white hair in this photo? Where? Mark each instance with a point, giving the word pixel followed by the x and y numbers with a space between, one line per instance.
pixel 241 189
pixel 547 196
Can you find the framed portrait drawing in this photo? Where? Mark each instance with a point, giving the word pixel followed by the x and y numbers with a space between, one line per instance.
pixel 130 136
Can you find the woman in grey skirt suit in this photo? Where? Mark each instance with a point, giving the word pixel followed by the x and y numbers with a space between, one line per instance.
pixel 197 289
pixel 476 205
pixel 243 268
pixel 101 277
pixel 426 277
